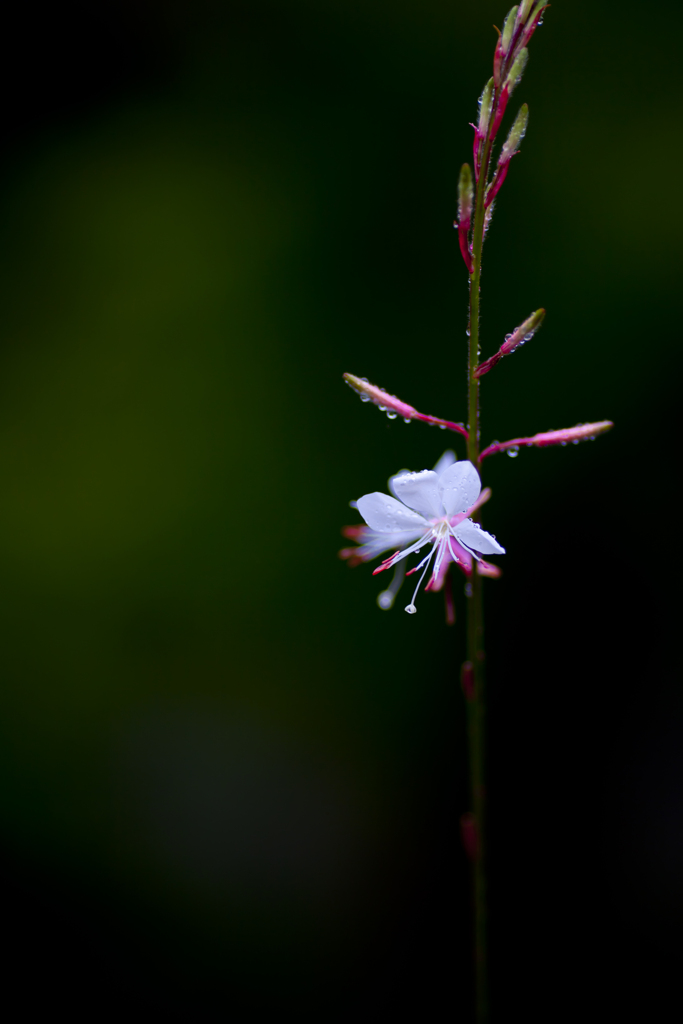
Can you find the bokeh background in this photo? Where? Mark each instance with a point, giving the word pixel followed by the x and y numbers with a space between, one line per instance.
pixel 230 784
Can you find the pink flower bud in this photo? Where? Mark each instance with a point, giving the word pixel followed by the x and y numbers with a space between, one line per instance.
pixel 387 403
pixel 570 435
pixel 394 407
pixel 524 332
pixel 534 21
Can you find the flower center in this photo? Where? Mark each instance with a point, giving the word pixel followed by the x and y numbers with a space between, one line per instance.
pixel 440 528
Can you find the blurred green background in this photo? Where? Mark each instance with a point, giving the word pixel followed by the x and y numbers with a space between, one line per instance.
pixel 230 784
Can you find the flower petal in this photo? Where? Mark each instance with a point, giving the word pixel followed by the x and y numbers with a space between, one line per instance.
pixel 446 460
pixel 460 487
pixel 420 491
pixel 371 543
pixel 387 515
pixel 474 537
pixel 401 472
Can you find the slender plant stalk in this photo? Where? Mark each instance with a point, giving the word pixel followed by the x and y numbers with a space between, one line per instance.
pixel 509 61
pixel 475 623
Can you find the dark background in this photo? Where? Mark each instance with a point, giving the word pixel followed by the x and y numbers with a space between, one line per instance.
pixel 230 784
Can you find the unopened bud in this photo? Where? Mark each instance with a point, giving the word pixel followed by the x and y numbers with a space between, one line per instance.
pixel 524 332
pixel 485 108
pixel 523 12
pixel 465 196
pixel 517 133
pixel 516 71
pixel 390 404
pixel 570 435
pixel 533 22
pixel 539 8
pixel 508 28
pixel 394 407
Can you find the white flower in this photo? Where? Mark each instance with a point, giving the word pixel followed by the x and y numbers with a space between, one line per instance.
pixel 428 508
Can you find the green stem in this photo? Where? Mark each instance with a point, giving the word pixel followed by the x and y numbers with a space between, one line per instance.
pixel 475 623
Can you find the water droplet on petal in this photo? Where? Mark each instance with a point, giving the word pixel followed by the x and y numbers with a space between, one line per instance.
pixel 364 398
pixel 406 419
pixel 365 380
pixel 391 415
pixel 514 451
pixel 382 408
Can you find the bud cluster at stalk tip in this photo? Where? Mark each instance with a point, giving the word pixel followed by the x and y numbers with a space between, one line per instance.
pixel 511 54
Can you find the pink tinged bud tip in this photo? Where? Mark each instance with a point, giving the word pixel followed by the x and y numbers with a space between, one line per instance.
pixel 570 435
pixel 469 833
pixel 533 22
pixel 519 336
pixel 394 407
